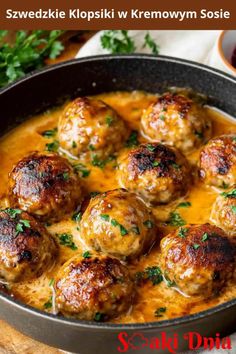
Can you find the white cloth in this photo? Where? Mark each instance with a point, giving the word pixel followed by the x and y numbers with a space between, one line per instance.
pixel 199 46
pixel 196 45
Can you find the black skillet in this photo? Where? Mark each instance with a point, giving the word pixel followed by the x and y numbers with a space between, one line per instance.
pixel 89 76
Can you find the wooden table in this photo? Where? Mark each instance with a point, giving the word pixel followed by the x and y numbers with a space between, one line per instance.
pixel 11 341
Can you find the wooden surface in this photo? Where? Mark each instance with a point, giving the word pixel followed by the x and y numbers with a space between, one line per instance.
pixel 11 341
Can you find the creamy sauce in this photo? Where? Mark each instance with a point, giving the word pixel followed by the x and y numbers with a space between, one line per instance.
pixel 27 137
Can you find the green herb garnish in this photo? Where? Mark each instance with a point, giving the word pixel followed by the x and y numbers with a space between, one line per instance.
pixel 150 147
pixel 230 194
pixel 233 207
pixel 196 246
pixel 48 304
pixel 132 140
pixel 67 241
pixel 21 225
pixel 155 164
pixel 205 237
pixel 159 312
pixel 176 220
pixel 149 224
pixel 109 121
pixel 65 176
pixel 154 274
pixel 150 43
pixel 49 133
pixel 13 212
pixel 27 53
pixel 99 317
pixel 105 217
pixel 74 145
pixel 184 205
pixel 87 254
pixel 135 229
pixel 77 216
pixel 52 147
pixel 91 147
pixel 182 232
pixel 117 41
pixel 82 170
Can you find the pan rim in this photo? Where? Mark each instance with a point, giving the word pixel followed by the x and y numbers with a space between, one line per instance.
pixel 105 325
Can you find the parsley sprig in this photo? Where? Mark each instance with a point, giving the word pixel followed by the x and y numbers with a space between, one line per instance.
pixel 27 53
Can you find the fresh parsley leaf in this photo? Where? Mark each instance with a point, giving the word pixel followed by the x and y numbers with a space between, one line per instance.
pixel 82 170
pixel 77 216
pixel 150 43
pixel 184 205
pixel 159 312
pixel 48 304
pixel 51 282
pixel 87 254
pixel 52 147
pixel 205 236
pixel 136 230
pixel 233 207
pixel 132 140
pixel 176 220
pixel 49 133
pixel 196 246
pixel 117 41
pixel 99 317
pixel 149 224
pixel 13 212
pixel 154 274
pixel 27 53
pixel 230 194
pixel 109 121
pixel 67 241
pixel 182 232
pixel 151 147
pixel 170 283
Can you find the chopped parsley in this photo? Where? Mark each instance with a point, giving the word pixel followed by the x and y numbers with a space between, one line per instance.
pixel 49 133
pixel 154 274
pixel 151 147
pixel 91 147
pixel 175 165
pixel 105 217
pixel 74 145
pixel 21 225
pixel 162 117
pixel 82 170
pixel 132 140
pixel 233 207
pixel 196 246
pixel 170 283
pixel 184 205
pixel 77 216
pixel 96 161
pixel 109 121
pixel 176 220
pixel 205 237
pixel 52 147
pixel 230 194
pixel 86 254
pixel 115 223
pixel 117 41
pixel 51 282
pixel 224 185
pixel 67 241
pixel 149 42
pixel 198 134
pixel 48 304
pixel 182 232
pixel 94 194
pixel 159 312
pixel 99 317
pixel 13 212
pixel 65 176
pixel 149 224
pixel 155 164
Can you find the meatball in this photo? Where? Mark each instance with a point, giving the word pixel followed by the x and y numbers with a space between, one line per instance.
pixel 45 185
pixel 223 213
pixel 218 161
pixel 26 248
pixel 94 288
pixel 88 124
pixel 177 120
pixel 118 223
pixel 199 259
pixel 156 172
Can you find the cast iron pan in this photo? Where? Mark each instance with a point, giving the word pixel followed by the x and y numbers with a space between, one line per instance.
pixel 89 76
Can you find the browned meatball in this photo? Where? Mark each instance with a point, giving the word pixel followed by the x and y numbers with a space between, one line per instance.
pixel 118 223
pixel 156 172
pixel 88 124
pixel 26 248
pixel 93 288
pixel 218 161
pixel 223 213
pixel 199 259
pixel 177 120
pixel 45 185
